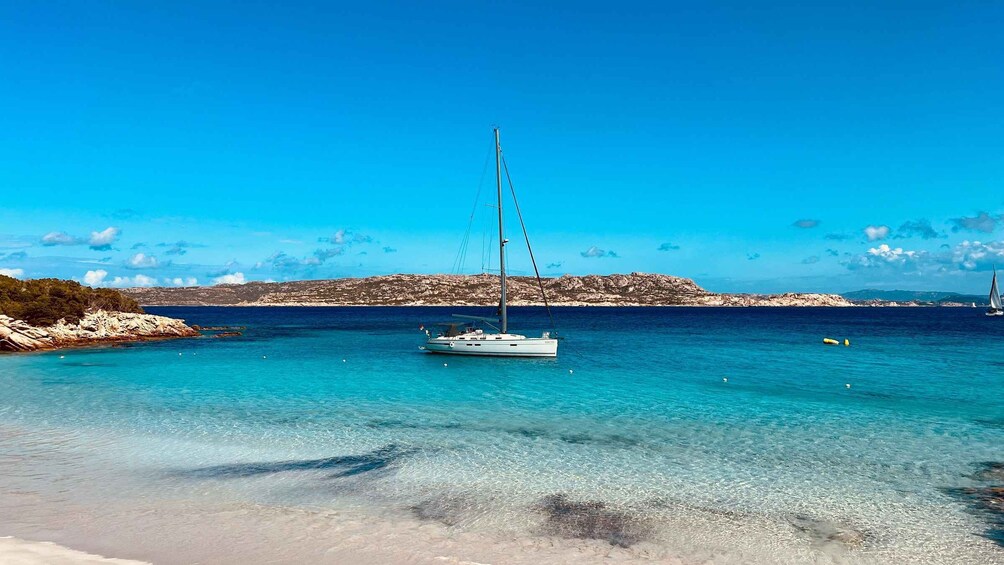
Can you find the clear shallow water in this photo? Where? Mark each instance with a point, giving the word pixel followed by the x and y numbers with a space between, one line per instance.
pixel 630 440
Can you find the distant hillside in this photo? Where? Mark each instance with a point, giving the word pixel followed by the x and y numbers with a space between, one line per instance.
pixel 636 289
pixel 926 296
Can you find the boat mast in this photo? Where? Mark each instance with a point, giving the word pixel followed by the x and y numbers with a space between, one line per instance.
pixel 502 239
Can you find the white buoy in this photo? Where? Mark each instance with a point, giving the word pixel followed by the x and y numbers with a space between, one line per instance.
pixel 569 371
pixel 264 357
pixel 848 385
pixel 343 360
pixel 179 355
pixel 62 356
pixel 725 379
pixel 444 364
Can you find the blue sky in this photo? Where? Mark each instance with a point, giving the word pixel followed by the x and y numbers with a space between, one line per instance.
pixel 752 147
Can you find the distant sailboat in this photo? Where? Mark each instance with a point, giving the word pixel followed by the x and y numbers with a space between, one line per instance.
pixel 995 308
pixel 466 339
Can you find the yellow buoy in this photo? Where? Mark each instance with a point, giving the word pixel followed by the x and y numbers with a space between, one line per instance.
pixel 847 343
pixel 830 341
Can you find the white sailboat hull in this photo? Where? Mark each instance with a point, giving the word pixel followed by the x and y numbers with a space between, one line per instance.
pixel 494 345
pixel 995 313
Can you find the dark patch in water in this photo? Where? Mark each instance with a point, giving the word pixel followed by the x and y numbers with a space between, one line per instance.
pixel 343 466
pixel 823 532
pixel 991 423
pixel 987 500
pixel 446 510
pixel 400 424
pixel 528 433
pixel 989 471
pixel 589 520
pixel 988 503
pixel 875 394
pixel 611 440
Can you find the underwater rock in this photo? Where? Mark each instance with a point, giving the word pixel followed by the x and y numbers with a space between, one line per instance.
pixel 589 520
pixel 825 532
pixel 986 501
pixel 447 510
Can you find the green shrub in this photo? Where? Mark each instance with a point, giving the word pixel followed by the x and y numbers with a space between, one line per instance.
pixel 42 302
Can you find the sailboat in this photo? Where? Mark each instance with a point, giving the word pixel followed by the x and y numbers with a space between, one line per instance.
pixel 995 308
pixel 468 339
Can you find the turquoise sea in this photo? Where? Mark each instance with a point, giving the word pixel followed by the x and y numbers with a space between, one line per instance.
pixel 688 435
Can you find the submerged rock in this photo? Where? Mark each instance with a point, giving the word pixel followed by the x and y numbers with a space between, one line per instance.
pixel 94 327
pixel 990 471
pixel 590 520
pixel 987 500
pixel 822 532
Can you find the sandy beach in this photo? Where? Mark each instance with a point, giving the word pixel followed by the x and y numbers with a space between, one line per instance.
pixel 15 551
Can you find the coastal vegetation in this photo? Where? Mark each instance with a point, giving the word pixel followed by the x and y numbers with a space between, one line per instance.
pixel 43 302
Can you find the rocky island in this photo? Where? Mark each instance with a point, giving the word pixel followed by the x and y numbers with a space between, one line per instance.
pixel 45 314
pixel 635 289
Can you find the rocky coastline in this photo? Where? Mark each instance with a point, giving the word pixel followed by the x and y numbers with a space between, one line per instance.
pixel 635 289
pixel 94 328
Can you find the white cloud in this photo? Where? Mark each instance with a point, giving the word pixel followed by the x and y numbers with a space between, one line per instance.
pixel 59 238
pixel 95 278
pixel 138 280
pixel 596 252
pixel 103 240
pixel 233 278
pixel 976 256
pixel 179 281
pixel 346 237
pixel 16 273
pixel 892 255
pixel 142 261
pixel 876 233
pixel 886 256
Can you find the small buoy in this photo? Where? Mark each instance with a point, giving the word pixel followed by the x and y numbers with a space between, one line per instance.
pixel 62 356
pixel 264 357
pixel 179 355
pixel 343 360
pixel 848 385
pixel 830 341
pixel 847 343
pixel 569 371
pixel 725 379
pixel 444 364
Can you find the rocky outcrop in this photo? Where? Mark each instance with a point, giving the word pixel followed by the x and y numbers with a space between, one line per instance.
pixel 94 327
pixel 786 299
pixel 635 289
